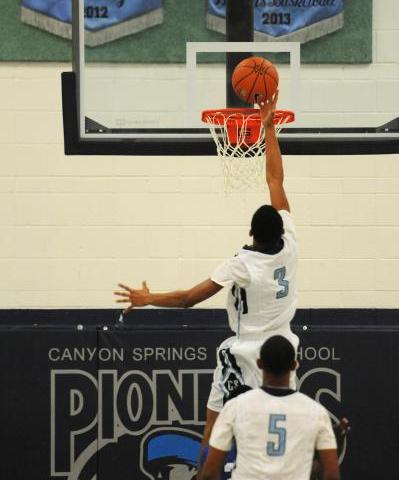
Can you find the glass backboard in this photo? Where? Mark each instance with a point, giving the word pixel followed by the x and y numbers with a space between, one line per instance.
pixel 144 70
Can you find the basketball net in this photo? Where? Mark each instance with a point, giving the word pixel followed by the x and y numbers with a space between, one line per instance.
pixel 240 142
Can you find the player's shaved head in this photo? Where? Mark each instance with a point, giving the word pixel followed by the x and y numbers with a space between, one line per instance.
pixel 267 225
pixel 277 355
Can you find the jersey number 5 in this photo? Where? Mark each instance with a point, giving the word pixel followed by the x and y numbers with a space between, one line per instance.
pixel 279 275
pixel 276 449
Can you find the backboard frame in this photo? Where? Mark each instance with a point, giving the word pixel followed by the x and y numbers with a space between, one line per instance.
pixel 296 143
pixel 79 140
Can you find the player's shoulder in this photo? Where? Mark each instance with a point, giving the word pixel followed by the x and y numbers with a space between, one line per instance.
pixel 246 397
pixel 239 263
pixel 289 226
pixel 236 263
pixel 285 214
pixel 245 251
pixel 247 256
pixel 302 397
pixel 308 402
pixel 288 221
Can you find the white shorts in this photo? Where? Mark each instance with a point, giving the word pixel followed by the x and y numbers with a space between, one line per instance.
pixel 236 365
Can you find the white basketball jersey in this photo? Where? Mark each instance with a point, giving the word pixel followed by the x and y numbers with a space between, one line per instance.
pixel 262 286
pixel 276 436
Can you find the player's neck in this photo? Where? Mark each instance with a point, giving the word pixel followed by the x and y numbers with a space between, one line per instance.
pixel 267 247
pixel 262 246
pixel 276 381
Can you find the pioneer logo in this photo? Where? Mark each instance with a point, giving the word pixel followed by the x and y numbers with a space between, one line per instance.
pixel 90 411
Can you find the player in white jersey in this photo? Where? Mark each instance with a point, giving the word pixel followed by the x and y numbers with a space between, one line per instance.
pixel 262 285
pixel 275 428
pixel 261 301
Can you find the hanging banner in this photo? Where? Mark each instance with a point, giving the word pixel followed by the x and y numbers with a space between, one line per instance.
pixel 105 20
pixel 285 20
pixel 179 21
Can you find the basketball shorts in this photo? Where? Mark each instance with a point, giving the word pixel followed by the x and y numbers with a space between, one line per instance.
pixel 236 365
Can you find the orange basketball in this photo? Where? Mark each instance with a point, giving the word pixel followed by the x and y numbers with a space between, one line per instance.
pixel 255 76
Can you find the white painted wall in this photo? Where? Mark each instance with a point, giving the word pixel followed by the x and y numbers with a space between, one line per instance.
pixel 72 227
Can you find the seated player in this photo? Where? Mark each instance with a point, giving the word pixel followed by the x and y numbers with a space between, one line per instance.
pixel 261 282
pixel 276 429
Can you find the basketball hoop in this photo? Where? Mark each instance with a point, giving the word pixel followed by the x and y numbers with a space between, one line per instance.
pixel 240 141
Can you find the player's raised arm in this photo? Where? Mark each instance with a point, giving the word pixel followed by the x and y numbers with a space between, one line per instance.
pixel 274 162
pixel 177 299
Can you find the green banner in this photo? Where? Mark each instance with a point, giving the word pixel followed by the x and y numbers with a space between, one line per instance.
pixel 182 21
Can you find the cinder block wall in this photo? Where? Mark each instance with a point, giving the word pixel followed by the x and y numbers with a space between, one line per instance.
pixel 72 227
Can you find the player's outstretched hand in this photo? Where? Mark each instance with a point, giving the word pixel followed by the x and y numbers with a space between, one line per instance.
pixel 267 108
pixel 136 298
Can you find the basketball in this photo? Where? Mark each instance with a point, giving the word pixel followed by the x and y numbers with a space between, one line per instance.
pixel 255 76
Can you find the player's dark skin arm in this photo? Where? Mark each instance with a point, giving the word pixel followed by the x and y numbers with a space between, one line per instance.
pixel 177 299
pixel 340 431
pixel 211 417
pixel 329 464
pixel 213 465
pixel 274 161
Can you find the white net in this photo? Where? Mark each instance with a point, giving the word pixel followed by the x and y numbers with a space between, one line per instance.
pixel 240 143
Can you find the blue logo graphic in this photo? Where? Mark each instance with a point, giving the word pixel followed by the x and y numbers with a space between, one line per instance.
pixel 229 463
pixel 170 453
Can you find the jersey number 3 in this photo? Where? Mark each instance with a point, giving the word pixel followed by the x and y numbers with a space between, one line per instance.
pixel 279 275
pixel 277 448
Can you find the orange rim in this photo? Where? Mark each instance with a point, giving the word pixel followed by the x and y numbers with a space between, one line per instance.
pixel 243 125
pixel 238 116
